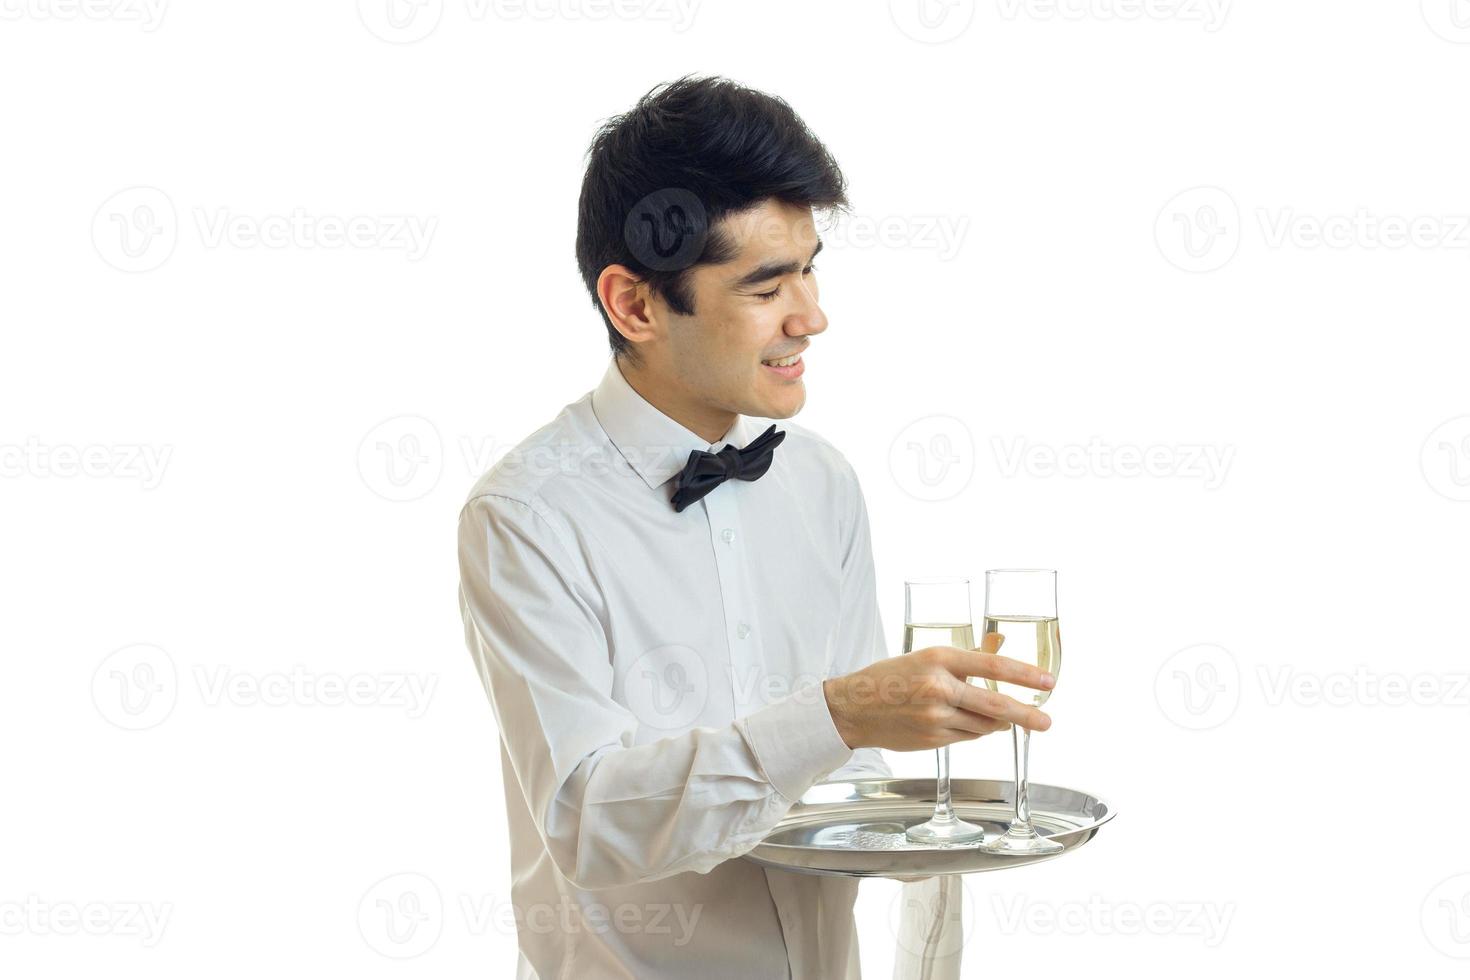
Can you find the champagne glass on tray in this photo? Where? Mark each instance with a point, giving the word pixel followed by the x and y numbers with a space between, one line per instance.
pixel 1021 605
pixel 937 613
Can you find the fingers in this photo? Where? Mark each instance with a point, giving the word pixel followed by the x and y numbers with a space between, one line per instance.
pixel 975 725
pixel 981 663
pixel 983 701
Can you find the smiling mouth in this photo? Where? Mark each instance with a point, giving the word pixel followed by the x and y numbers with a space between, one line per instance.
pixel 787 369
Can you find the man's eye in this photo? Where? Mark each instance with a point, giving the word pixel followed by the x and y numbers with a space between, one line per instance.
pixel 809 269
pixel 771 295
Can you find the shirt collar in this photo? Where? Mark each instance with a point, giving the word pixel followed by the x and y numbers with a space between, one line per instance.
pixel 655 445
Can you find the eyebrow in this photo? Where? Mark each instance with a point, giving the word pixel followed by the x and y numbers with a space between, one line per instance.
pixel 772 270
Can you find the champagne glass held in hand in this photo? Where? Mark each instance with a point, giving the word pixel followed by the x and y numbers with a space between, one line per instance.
pixel 1021 605
pixel 936 612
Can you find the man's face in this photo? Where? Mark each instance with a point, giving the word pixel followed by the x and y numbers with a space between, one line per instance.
pixel 758 307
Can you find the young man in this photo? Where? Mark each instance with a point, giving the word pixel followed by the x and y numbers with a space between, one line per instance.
pixel 671 601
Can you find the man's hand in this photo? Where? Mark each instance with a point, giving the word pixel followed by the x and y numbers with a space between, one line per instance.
pixel 922 701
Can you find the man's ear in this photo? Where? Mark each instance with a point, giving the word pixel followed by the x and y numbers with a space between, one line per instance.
pixel 629 304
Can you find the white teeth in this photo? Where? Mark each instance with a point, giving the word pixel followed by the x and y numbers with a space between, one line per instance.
pixel 785 361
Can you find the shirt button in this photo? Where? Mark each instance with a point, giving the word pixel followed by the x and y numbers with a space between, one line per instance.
pixel 742 631
pixel 728 534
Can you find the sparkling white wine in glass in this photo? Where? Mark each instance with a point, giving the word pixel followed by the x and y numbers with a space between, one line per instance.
pixel 917 636
pixel 1030 639
pixel 937 613
pixel 1021 605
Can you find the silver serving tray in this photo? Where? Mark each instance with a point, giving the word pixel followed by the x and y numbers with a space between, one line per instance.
pixel 856 828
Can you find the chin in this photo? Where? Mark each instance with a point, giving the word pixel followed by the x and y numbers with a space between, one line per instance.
pixel 785 407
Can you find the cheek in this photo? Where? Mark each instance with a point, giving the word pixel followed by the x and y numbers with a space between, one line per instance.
pixel 722 354
pixel 762 326
pixel 744 334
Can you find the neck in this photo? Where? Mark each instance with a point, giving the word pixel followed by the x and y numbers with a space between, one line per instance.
pixel 705 421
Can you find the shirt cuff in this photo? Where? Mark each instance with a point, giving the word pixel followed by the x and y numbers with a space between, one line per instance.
pixel 795 740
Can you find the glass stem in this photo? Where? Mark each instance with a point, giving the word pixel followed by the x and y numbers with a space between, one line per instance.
pixel 942 808
pixel 1021 740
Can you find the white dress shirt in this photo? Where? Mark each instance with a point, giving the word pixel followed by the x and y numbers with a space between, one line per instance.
pixel 656 679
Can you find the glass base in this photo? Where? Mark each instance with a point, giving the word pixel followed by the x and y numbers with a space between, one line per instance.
pixel 1024 841
pixel 945 830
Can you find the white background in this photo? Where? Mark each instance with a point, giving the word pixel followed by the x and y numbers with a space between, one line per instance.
pixel 1186 231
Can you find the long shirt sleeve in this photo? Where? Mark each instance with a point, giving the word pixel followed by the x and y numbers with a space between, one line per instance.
pixel 860 639
pixel 612 812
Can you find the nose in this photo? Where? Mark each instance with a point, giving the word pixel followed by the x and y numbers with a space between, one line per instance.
pixel 808 317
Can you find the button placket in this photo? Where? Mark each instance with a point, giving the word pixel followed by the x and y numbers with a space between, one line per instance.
pixel 747 662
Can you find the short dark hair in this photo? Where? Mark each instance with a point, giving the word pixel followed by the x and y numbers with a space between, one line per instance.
pixel 663 174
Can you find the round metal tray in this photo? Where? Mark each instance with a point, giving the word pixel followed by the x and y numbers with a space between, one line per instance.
pixel 856 828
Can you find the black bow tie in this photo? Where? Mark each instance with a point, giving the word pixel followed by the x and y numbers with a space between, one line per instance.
pixel 705 470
